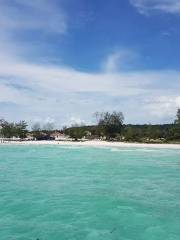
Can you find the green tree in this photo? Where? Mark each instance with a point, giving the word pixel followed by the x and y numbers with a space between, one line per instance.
pixel 129 134
pixel 36 130
pixel 111 123
pixel 75 133
pixel 11 129
pixel 177 121
pixel 21 129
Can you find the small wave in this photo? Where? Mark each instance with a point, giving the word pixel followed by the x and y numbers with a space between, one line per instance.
pixel 72 147
pixel 145 150
pixel 132 150
pixel 121 150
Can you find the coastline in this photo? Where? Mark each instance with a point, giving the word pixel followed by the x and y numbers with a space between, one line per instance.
pixel 94 143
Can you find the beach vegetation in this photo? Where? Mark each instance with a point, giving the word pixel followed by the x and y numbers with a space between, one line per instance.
pixel 12 129
pixel 177 121
pixel 110 124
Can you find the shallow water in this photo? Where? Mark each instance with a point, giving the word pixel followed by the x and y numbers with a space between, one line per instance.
pixel 82 193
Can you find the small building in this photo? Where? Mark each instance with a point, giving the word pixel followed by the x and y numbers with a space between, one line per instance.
pixel 58 136
pixel 29 137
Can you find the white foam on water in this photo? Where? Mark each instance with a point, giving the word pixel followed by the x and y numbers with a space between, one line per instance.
pixel 132 150
pixel 146 150
pixel 72 147
pixel 121 150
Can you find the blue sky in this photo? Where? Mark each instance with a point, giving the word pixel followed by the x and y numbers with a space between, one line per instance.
pixel 63 60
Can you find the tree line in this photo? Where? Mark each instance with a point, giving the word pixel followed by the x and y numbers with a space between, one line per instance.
pixel 12 129
pixel 109 126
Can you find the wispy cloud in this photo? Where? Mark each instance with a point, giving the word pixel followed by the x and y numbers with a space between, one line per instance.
pixel 31 90
pixel 162 106
pixel 116 60
pixel 147 6
pixel 60 92
pixel 56 90
pixel 41 15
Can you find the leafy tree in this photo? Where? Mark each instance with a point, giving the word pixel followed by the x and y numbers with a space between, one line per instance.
pixel 75 132
pixel 11 129
pixel 36 130
pixel 7 129
pixel 177 121
pixel 21 129
pixel 129 134
pixel 110 123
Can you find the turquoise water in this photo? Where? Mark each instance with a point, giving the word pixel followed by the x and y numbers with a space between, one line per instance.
pixel 81 193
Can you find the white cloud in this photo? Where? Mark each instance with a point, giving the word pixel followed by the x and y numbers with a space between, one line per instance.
pixel 41 15
pixel 116 60
pixel 60 79
pixel 112 62
pixel 147 6
pixel 51 91
pixel 45 91
pixel 163 106
pixel 177 101
pixel 75 121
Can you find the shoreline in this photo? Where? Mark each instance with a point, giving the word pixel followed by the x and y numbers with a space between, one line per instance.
pixel 95 143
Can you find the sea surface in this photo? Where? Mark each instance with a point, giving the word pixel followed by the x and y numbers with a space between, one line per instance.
pixel 87 193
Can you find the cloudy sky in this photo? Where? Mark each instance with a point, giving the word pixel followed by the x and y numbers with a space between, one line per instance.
pixel 63 60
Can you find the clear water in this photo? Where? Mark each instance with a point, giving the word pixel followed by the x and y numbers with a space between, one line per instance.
pixel 81 193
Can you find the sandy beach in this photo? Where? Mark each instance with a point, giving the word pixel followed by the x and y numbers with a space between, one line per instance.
pixel 95 143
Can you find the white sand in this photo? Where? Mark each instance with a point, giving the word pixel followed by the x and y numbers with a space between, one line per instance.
pixel 96 143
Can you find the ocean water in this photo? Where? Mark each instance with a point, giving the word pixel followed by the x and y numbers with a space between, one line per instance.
pixel 82 193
